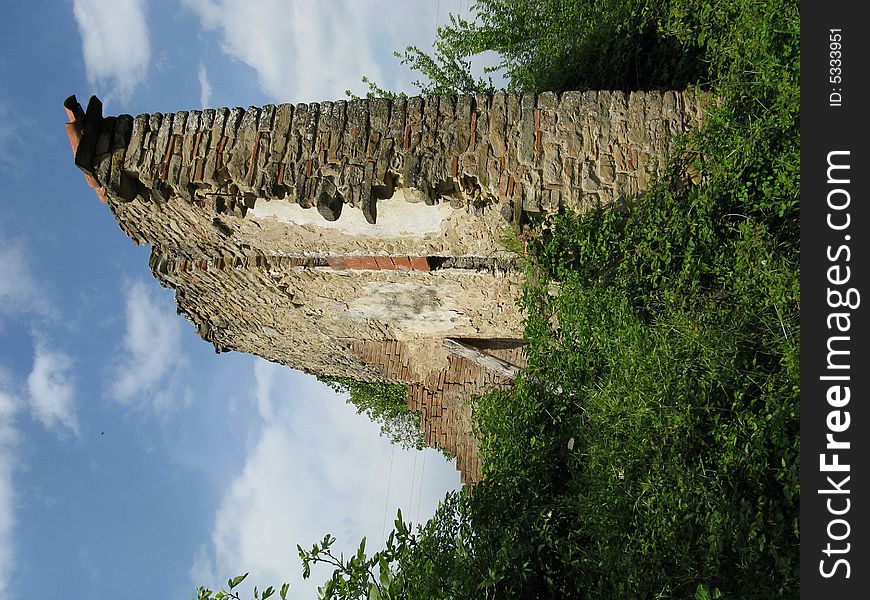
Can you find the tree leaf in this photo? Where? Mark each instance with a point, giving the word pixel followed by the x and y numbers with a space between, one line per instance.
pixel 236 581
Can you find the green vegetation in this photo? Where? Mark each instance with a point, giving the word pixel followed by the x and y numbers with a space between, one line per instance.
pixel 667 466
pixel 572 45
pixel 384 404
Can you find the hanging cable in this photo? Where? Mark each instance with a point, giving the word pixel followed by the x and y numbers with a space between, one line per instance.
pixel 413 475
pixel 387 500
pixel 420 493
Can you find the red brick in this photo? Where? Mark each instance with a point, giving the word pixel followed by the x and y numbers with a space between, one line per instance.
pixel 197 169
pixel 352 262
pixel 384 263
pixel 361 262
pixel 337 262
pixel 419 263
pixel 402 263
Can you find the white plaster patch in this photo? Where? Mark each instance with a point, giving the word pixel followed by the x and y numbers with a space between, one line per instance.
pixel 396 217
pixel 406 304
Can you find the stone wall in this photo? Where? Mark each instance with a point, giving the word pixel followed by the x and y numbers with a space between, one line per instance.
pixel 351 238
pixel 488 158
pixel 305 316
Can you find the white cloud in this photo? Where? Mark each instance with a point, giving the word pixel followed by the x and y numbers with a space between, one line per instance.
pixel 316 467
pixel 115 43
pixel 8 407
pixel 9 404
pixel 19 291
pixel 7 521
pixel 264 374
pixel 51 390
pixel 152 351
pixel 204 87
pixel 309 50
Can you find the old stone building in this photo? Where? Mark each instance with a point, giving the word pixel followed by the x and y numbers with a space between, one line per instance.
pixel 365 238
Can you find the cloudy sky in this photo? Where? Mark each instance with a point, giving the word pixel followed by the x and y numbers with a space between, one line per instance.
pixel 134 462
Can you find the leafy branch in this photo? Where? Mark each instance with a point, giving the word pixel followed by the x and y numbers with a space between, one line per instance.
pixel 227 593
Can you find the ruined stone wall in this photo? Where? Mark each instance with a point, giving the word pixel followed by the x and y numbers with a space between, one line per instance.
pixel 416 178
pixel 466 165
pixel 306 317
pixel 351 238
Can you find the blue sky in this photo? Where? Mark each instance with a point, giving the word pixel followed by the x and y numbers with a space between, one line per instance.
pixel 134 462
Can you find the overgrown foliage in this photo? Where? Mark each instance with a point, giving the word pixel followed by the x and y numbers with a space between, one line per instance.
pixel 385 404
pixel 570 45
pixel 667 465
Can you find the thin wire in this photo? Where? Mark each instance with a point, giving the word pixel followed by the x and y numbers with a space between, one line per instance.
pixel 413 475
pixel 420 494
pixel 387 499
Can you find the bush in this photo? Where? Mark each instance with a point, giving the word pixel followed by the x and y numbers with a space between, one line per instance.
pixel 385 404
pixel 667 463
pixel 562 45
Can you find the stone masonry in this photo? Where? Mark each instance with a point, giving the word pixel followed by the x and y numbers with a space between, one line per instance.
pixel 353 238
